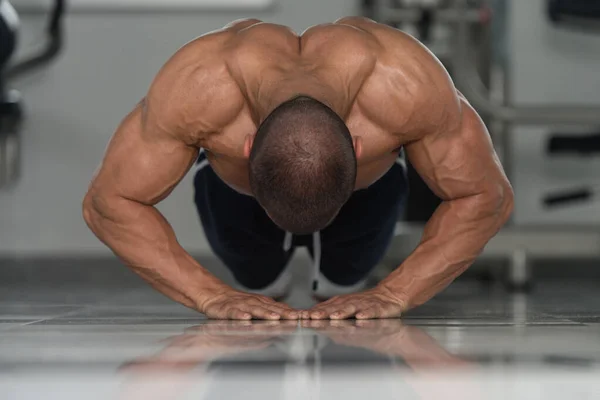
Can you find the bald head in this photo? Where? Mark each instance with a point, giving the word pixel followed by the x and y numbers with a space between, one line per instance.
pixel 302 165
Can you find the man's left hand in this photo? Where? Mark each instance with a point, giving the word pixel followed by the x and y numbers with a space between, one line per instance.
pixel 378 302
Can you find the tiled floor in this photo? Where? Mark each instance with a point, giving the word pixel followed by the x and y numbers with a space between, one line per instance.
pixel 113 337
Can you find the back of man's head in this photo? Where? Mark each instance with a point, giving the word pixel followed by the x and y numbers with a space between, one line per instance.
pixel 302 165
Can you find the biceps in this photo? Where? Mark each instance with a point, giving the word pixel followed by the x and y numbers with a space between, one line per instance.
pixel 142 164
pixel 459 163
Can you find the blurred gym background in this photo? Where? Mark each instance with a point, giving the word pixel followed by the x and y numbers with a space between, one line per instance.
pixel 78 67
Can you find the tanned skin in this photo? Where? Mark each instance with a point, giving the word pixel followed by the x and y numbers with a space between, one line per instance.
pixel 214 93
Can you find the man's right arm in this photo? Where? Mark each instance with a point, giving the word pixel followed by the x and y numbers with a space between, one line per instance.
pixel 149 154
pixel 141 167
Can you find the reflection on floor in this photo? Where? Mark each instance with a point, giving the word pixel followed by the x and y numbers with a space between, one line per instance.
pixel 95 339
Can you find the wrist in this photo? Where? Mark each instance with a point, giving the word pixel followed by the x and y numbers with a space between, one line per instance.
pixel 397 294
pixel 210 289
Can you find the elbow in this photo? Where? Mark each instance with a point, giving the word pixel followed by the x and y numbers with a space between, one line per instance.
pixel 495 204
pixel 508 202
pixel 88 209
pixel 100 206
pixel 504 200
pixel 92 207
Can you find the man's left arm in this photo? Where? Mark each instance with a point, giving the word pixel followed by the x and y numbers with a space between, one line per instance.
pixel 458 162
pixel 456 159
pixel 451 150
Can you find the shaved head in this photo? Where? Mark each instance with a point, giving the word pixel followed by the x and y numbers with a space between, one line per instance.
pixel 302 165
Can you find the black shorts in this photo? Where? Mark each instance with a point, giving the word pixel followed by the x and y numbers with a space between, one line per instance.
pixel 252 246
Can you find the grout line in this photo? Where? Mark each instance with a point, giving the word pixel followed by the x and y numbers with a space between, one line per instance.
pixel 54 317
pixel 24 324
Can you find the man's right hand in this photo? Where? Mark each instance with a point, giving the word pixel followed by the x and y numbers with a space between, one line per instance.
pixel 234 304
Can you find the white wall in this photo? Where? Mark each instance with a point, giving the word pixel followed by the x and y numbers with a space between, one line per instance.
pixel 551 65
pixel 74 106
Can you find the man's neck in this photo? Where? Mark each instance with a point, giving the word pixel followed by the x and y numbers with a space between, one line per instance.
pixel 287 91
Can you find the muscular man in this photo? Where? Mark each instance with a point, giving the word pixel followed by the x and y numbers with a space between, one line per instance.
pixel 296 142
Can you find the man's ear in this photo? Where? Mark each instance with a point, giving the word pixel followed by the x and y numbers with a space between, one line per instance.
pixel 248 145
pixel 357 142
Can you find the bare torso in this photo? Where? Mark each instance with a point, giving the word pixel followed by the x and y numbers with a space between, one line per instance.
pixel 214 93
pixel 344 65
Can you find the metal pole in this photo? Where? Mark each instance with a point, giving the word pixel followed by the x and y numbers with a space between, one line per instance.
pixel 465 75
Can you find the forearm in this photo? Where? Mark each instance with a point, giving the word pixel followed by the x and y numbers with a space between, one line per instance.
pixel 144 240
pixel 454 236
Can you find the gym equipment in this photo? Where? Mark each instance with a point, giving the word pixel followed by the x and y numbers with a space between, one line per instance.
pixel 562 143
pixel 579 13
pixel 52 48
pixel 9 23
pixel 11 109
pixel 465 51
pixel 578 146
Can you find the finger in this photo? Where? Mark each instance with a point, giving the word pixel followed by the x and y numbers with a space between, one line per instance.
pixel 369 313
pixel 214 313
pixel 282 309
pixel 305 314
pixel 317 308
pixel 290 315
pixel 236 313
pixel 391 311
pixel 285 313
pixel 261 312
pixel 344 312
pixel 325 311
pixel 317 313
pixel 380 311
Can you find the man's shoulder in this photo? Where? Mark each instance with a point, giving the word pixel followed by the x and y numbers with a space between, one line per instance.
pixel 409 89
pixel 359 22
pixel 403 56
pixel 194 90
pixel 383 33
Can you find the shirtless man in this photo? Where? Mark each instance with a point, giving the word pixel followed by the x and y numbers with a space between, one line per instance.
pixel 296 142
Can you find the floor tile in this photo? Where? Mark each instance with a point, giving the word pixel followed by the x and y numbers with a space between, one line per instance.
pixel 33 311
pixel 470 342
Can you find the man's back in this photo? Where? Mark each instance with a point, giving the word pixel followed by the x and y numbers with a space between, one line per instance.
pixel 245 70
